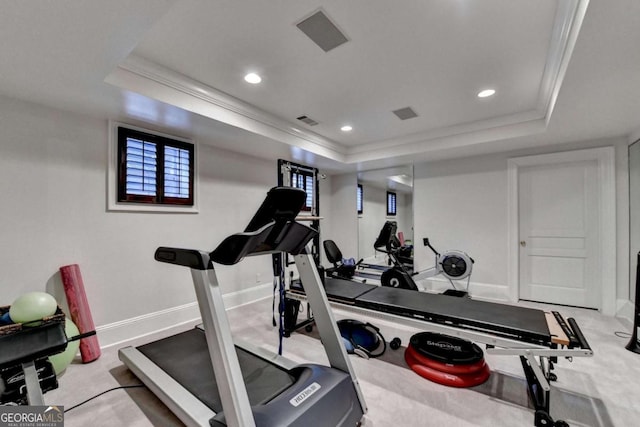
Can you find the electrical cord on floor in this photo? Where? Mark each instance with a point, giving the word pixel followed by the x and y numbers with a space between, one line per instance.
pixel 621 334
pixel 104 392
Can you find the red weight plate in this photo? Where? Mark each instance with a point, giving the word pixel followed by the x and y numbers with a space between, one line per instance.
pixel 445 367
pixel 451 380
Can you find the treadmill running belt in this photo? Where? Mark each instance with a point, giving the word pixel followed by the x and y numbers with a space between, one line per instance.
pixel 185 358
pixel 507 320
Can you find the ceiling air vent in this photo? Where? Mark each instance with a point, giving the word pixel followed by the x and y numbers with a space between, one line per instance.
pixel 319 28
pixel 307 120
pixel 405 113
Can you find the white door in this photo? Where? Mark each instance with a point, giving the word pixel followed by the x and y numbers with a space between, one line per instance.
pixel 559 237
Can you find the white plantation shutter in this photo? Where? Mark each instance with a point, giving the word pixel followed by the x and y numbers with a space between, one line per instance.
pixel 306 182
pixel 154 169
pixel 141 167
pixel 310 190
pixel 391 203
pixel 176 172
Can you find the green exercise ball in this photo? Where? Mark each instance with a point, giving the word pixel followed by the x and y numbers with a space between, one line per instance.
pixel 32 306
pixel 60 361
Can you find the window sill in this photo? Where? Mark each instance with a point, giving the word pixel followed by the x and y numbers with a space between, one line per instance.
pixel 140 207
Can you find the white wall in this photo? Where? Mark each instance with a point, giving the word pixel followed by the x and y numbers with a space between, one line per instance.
pixel 404 218
pixel 325 212
pixel 634 210
pixel 462 204
pixel 342 226
pixel 53 213
pixel 374 214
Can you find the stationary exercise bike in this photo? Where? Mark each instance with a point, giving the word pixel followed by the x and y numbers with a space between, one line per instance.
pixel 452 264
pixel 342 268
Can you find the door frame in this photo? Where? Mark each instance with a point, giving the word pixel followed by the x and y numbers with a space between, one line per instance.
pixel 605 158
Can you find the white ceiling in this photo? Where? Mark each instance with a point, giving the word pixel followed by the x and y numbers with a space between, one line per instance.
pixel 563 72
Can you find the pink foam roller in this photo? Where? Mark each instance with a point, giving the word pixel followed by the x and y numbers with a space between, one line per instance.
pixel 80 311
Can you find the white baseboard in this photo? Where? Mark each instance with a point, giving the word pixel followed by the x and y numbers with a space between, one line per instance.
pixel 379 259
pixel 625 311
pixel 479 291
pixel 125 330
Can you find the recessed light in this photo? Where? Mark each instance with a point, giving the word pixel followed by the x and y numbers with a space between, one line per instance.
pixel 485 93
pixel 346 128
pixel 253 78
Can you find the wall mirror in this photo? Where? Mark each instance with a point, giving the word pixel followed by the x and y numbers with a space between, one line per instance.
pixel 377 190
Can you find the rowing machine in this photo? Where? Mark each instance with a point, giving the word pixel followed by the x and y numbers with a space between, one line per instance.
pixel 452 264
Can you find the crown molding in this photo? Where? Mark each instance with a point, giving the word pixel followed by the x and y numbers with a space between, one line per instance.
pixel 633 136
pixel 444 142
pixel 140 75
pixel 568 21
pixel 150 79
pixel 468 130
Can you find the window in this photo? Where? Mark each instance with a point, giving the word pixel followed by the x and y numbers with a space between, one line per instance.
pixel 391 203
pixel 305 180
pixel 359 199
pixel 154 169
pixel 304 177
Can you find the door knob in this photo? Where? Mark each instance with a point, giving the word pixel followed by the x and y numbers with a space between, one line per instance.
pixel 523 243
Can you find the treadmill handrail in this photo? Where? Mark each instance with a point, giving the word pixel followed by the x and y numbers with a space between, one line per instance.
pixel 277 236
pixel 186 257
pixel 290 237
pixel 281 204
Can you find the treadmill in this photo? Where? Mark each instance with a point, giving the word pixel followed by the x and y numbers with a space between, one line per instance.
pixel 207 379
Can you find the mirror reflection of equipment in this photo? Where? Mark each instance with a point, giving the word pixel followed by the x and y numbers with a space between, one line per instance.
pixel 451 264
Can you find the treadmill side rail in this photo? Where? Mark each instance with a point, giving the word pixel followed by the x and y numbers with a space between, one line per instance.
pixel 325 321
pixel 320 397
pixel 226 368
pixel 178 399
